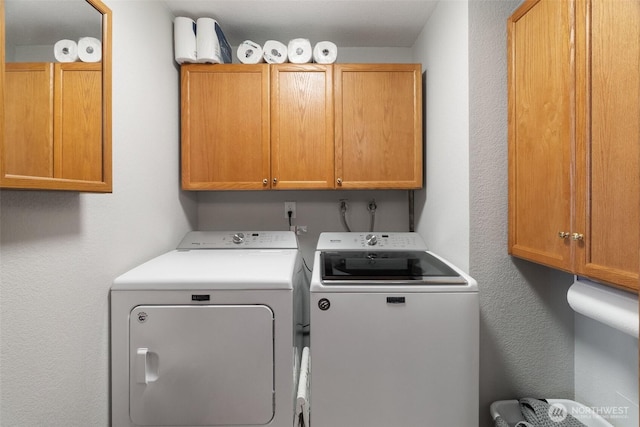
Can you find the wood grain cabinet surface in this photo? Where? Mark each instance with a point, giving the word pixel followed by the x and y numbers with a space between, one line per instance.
pixel 301 126
pixel 54 126
pixel 574 137
pixel 378 126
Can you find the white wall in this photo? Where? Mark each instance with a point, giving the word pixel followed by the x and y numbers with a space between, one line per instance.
pixel 60 251
pixel 526 329
pixel 442 208
pixel 606 371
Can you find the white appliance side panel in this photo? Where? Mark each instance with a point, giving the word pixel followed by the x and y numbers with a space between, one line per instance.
pixel 201 365
pixel 378 364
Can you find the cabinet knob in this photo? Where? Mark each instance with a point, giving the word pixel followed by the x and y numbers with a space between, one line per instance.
pixel 265 181
pixel 339 181
pixel 563 234
pixel 577 236
pixel 275 181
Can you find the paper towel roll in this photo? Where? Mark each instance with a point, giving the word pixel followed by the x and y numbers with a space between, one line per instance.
pixel 65 51
pixel 325 52
pixel 207 44
pixel 610 306
pixel 89 49
pixel 299 51
pixel 274 52
pixel 184 39
pixel 249 52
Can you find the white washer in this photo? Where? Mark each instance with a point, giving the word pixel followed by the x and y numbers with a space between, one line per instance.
pixel 394 335
pixel 205 335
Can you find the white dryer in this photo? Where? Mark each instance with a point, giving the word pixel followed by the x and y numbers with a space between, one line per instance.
pixel 207 334
pixel 394 335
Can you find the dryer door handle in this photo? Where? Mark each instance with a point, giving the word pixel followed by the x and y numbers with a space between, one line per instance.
pixel 146 366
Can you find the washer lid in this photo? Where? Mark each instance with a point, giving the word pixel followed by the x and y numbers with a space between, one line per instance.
pixel 382 267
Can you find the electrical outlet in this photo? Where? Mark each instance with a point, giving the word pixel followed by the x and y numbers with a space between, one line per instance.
pixel 289 207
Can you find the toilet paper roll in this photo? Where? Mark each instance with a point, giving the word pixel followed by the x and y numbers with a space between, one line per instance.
pixel 274 52
pixel 184 39
pixel 325 52
pixel 207 43
pixel 299 51
pixel 89 49
pixel 249 52
pixel 65 51
pixel 612 307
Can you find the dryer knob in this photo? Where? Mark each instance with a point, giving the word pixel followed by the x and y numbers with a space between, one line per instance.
pixel 238 238
pixel 371 239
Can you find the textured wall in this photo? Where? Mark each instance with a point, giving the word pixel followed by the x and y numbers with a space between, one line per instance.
pixel 442 207
pixel 526 335
pixel 60 251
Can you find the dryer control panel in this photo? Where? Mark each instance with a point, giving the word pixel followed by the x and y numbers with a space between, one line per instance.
pixel 239 240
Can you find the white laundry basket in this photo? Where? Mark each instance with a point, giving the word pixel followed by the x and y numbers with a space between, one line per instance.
pixel 509 410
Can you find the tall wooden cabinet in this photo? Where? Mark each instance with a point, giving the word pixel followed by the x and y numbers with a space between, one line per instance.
pixel 54 126
pixel 574 137
pixel 252 127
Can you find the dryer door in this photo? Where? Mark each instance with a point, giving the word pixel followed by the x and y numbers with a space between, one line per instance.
pixel 201 365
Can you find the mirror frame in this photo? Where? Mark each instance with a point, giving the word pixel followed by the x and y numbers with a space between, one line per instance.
pixel 46 183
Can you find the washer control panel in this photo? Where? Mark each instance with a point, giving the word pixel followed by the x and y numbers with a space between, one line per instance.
pixel 371 241
pixel 239 240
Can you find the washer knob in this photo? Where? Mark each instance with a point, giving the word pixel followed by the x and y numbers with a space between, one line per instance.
pixel 238 238
pixel 371 239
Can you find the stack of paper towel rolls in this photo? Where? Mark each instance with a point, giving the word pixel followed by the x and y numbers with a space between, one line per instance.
pixel 298 51
pixel 200 41
pixel 87 49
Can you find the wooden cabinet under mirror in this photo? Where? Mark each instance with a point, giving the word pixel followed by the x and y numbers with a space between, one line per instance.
pixel 56 121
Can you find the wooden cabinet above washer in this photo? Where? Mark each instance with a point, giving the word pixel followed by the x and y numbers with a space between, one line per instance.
pixel 296 126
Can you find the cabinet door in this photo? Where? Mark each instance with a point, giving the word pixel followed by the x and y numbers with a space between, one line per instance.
pixel 540 132
pixel 28 99
pixel 378 126
pixel 225 127
pixel 78 147
pixel 302 151
pixel 608 140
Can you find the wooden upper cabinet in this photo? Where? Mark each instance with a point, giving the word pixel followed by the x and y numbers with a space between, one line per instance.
pixel 574 137
pixel 540 131
pixel 55 124
pixel 247 127
pixel 225 127
pixel 302 151
pixel 378 126
pixel 28 149
pixel 78 121
pixel 608 140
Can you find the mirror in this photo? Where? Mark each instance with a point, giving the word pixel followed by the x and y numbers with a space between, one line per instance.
pixel 56 91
